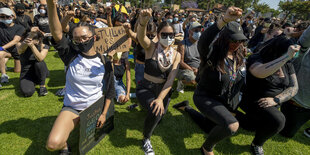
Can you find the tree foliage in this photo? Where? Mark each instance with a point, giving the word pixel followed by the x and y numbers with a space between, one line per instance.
pixel 299 8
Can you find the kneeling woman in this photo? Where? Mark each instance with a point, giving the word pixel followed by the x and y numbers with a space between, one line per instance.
pixel 84 77
pixel 161 67
pixel 271 81
pixel 34 70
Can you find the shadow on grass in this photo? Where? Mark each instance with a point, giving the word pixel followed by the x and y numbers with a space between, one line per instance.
pixel 57 78
pixel 169 129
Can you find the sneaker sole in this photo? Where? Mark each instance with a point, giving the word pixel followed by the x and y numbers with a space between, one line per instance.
pixel 306 134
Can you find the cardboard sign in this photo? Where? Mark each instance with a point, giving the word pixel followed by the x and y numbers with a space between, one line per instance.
pixel 127 4
pixel 89 134
pixel 112 38
pixel 176 7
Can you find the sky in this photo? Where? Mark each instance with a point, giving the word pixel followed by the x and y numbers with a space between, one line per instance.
pixel 272 3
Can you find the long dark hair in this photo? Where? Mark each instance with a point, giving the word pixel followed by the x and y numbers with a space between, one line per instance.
pixel 275 48
pixel 164 24
pixel 220 50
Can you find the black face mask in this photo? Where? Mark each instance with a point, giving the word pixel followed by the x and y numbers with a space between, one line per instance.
pixel 84 47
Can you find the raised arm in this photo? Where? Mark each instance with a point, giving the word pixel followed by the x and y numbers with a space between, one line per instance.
pixel 144 41
pixel 129 32
pixel 54 23
pixel 65 21
pixel 260 70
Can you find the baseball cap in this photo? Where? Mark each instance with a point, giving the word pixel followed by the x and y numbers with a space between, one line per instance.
pixel 236 31
pixel 195 25
pixel 6 11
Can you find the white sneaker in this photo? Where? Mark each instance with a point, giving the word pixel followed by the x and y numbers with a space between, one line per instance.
pixel 180 87
pixel 4 78
pixel 147 147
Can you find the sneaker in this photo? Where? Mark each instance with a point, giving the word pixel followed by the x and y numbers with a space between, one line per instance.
pixel 147 147
pixel 4 78
pixel 43 91
pixel 257 150
pixel 180 87
pixel 307 132
pixel 61 92
pixel 181 104
pixel 65 151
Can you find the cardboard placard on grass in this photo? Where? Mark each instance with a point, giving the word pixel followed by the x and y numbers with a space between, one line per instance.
pixel 112 38
pixel 89 134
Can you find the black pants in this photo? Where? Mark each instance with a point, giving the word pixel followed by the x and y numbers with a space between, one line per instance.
pixel 31 74
pixel 216 120
pixel 146 93
pixel 266 122
pixel 295 118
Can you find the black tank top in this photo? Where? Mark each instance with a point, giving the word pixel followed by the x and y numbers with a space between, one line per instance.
pixel 119 70
pixel 152 68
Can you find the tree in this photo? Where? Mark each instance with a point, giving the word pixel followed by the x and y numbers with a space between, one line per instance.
pixel 299 8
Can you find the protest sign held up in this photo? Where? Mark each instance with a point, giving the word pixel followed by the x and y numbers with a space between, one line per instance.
pixel 112 38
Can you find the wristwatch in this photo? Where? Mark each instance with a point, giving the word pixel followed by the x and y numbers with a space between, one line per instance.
pixel 277 100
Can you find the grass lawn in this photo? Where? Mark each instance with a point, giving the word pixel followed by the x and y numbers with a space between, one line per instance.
pixel 26 122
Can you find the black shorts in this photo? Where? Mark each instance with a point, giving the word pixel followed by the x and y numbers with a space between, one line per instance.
pixel 77 112
pixel 14 53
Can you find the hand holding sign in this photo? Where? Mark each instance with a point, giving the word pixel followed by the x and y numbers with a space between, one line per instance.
pixel 101 121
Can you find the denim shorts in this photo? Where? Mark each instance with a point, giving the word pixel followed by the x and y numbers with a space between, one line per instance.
pixel 120 88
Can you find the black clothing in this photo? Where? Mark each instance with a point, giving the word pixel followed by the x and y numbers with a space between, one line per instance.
pixel 139 53
pixel 152 68
pixel 295 116
pixel 247 29
pixel 215 83
pixel 25 21
pixel 67 53
pixel 119 70
pixel 32 73
pixel 7 34
pixel 42 23
pixel 257 38
pixel 271 86
pixel 29 56
pixel 146 93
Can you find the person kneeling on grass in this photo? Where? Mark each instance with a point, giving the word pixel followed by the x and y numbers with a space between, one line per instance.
pixel 87 70
pixel 161 67
pixel 190 58
pixel 220 79
pixel 34 70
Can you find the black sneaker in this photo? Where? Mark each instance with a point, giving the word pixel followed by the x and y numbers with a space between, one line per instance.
pixel 307 132
pixel 257 150
pixel 43 91
pixel 132 107
pixel 147 147
pixel 181 104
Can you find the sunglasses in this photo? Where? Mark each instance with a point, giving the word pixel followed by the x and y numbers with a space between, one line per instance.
pixel 165 35
pixel 84 39
pixel 196 30
pixel 5 17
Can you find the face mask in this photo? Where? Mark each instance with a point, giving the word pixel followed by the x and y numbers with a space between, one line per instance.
pixel 169 20
pixel 84 47
pixel 183 19
pixel 211 23
pixel 175 19
pixel 250 22
pixel 7 21
pixel 117 56
pixel 196 35
pixel 166 42
pixel 43 11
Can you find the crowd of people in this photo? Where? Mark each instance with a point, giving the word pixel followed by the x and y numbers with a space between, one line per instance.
pixel 234 60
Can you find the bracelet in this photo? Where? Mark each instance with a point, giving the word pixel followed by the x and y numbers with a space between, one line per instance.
pixel 223 20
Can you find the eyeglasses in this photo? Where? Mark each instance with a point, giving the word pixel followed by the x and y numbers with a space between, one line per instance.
pixel 165 35
pixel 5 17
pixel 83 39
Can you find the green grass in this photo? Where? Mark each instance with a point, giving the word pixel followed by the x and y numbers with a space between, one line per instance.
pixel 26 122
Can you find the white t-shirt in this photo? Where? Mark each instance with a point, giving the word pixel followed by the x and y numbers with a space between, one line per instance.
pixel 84 82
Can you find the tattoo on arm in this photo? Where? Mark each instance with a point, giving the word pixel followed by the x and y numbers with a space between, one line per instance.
pixel 290 92
pixel 283 59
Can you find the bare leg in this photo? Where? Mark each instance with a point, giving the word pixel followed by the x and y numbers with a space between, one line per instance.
pixel 17 66
pixel 64 124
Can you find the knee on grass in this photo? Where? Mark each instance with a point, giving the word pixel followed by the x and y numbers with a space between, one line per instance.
pixel 233 128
